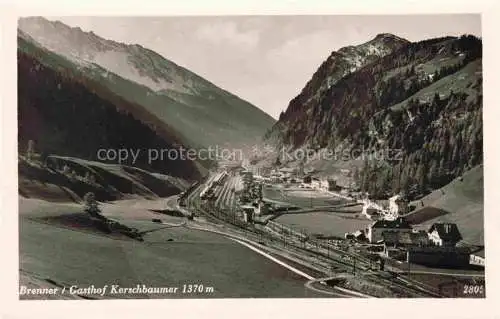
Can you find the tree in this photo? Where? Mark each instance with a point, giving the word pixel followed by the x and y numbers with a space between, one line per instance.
pixel 91 206
pixel 396 172
pixel 437 99
pixel 278 161
pixel 437 75
pixel 364 175
pixel 356 176
pixel 421 178
pixel 282 115
pixel 405 180
pixel 433 172
pixel 30 151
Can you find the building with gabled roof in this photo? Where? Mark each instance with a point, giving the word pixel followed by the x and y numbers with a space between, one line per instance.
pixel 444 234
pixel 406 239
pixel 376 230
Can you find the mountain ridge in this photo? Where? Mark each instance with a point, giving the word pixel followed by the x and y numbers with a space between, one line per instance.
pixel 163 87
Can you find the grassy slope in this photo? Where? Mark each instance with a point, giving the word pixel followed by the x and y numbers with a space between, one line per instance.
pixel 113 181
pixel 225 118
pixel 457 82
pixel 191 257
pixel 428 67
pixel 464 202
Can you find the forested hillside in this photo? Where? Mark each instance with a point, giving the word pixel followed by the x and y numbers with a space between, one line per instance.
pixel 423 101
pixel 66 114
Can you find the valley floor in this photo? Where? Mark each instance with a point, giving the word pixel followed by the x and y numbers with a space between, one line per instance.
pixel 64 255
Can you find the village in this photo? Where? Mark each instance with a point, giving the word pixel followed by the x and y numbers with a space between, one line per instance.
pixel 388 233
pixel 338 230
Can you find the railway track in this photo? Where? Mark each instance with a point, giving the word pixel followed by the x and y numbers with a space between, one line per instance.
pixel 327 262
pixel 317 255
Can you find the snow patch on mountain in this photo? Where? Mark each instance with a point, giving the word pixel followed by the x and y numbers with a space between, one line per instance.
pixel 131 62
pixel 118 63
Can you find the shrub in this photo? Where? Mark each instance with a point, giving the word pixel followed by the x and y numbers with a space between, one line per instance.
pixel 91 206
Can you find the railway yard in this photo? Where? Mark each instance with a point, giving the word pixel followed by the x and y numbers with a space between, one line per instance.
pixel 329 263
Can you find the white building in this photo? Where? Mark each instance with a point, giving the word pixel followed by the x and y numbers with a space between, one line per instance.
pixel 477 259
pixel 398 206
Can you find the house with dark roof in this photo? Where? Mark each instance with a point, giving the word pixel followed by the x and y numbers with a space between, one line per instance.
pixel 444 234
pixel 375 231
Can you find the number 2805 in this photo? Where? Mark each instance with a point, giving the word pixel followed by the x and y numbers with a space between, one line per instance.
pixel 473 289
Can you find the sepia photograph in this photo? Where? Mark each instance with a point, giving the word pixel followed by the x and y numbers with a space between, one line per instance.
pixel 250 156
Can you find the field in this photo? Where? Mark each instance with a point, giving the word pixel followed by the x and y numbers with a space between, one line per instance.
pixel 300 197
pixel 321 222
pixel 166 258
pixel 325 223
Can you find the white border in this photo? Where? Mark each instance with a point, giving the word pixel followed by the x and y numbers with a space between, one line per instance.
pixel 11 307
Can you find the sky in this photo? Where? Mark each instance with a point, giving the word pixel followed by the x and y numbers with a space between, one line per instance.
pixel 266 60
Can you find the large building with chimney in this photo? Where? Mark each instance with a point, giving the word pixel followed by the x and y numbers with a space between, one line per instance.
pixel 376 230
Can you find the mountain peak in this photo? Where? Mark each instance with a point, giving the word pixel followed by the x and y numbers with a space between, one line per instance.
pixel 389 36
pixel 351 58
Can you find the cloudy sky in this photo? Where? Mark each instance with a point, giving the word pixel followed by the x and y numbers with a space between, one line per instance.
pixel 265 60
